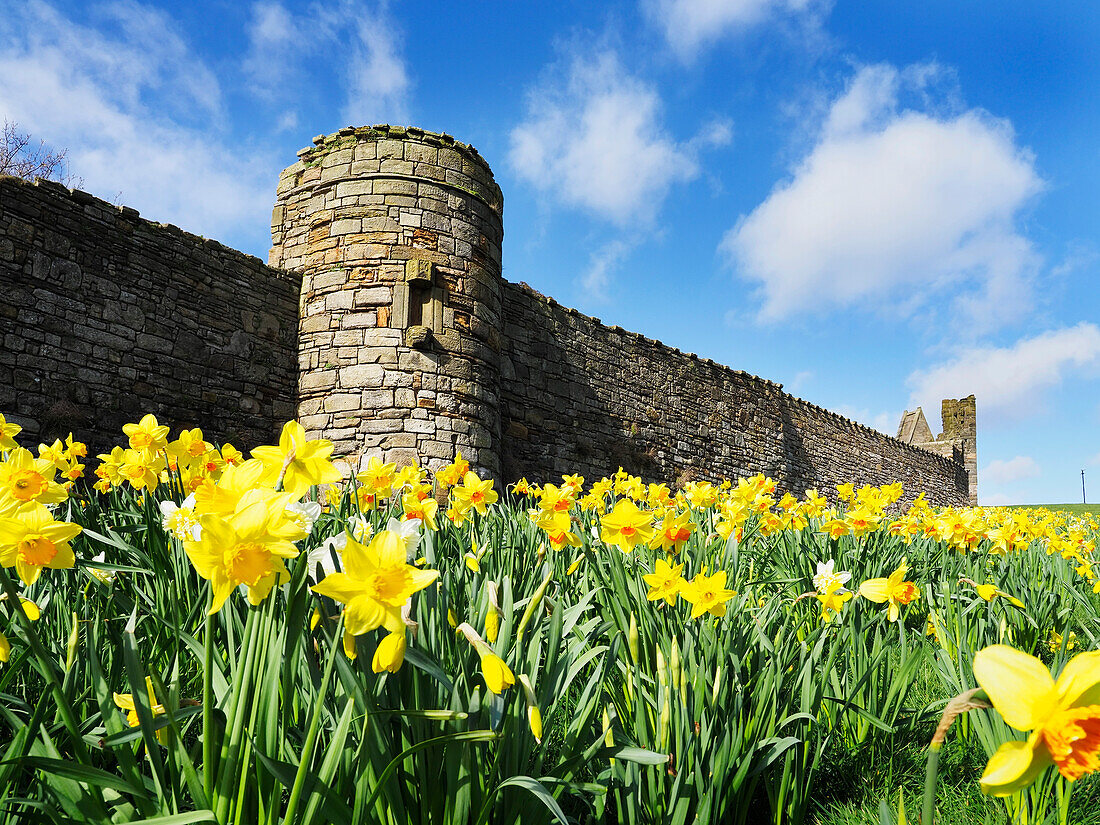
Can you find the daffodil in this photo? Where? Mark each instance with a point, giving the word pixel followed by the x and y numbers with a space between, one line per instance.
pixel 498 676
pixel 827 578
pixel 8 431
pixel 148 435
pixel 893 589
pixel 32 540
pixel 1063 716
pixel 390 653
pixel 300 462
pixel 125 701
pixel 376 582
pixel 25 479
pixel 474 493
pixel 377 478
pixel 665 582
pixel 707 594
pixel 626 526
pixel 453 473
pixel 246 547
pixel 673 533
pixel 832 600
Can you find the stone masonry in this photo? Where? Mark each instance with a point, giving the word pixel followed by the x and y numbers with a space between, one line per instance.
pixel 105 316
pixel 383 322
pixel 959 439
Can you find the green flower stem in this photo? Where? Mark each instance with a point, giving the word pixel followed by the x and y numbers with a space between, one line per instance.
pixel 931 772
pixel 208 709
pixel 314 725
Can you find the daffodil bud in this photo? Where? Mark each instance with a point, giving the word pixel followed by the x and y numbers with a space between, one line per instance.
pixel 498 675
pixel 674 665
pixel 534 716
pixel 574 566
pixel 349 646
pixel 70 648
pixel 632 638
pixel 532 606
pixel 664 721
pixel 717 685
pixel 492 615
pixel 451 619
pixel 390 653
pixel 662 667
pixel 5 648
pixel 315 619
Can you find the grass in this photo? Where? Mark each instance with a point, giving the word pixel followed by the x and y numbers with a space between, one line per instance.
pixel 1076 509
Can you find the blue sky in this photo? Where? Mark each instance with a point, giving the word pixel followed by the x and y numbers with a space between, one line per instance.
pixel 879 204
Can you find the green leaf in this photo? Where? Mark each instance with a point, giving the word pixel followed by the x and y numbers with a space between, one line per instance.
pixel 79 773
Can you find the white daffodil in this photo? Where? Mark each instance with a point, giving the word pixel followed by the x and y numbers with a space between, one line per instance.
pixel 180 519
pixel 304 513
pixel 105 575
pixel 827 580
pixel 409 530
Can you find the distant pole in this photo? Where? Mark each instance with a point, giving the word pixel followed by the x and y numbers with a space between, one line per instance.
pixel 1083 501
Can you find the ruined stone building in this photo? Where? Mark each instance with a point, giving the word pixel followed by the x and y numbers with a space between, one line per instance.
pixel 383 322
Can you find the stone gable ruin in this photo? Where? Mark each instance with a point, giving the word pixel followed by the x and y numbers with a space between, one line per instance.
pixel 383 323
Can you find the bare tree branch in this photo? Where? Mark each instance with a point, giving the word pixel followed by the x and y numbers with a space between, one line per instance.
pixel 20 158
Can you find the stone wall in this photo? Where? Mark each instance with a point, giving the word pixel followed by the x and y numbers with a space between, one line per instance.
pixel 398 338
pixel 105 316
pixel 578 396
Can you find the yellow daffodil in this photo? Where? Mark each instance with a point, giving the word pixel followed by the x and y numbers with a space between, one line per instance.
pixel 665 581
pixel 8 431
pixel 32 540
pixel 474 493
pixel 707 594
pixel 25 479
pixel 673 533
pixel 893 589
pixel 498 676
pixel 246 547
pixel 1063 716
pixel 454 472
pixel 832 600
pixel 377 478
pixel 125 701
pixel 148 435
pixel 301 463
pixel 376 582
pixel 534 715
pixel 626 526
pixel 424 509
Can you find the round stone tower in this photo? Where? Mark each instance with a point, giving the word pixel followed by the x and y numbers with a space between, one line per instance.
pixel 397 234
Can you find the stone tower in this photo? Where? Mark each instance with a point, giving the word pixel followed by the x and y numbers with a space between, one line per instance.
pixel 397 233
pixel 958 440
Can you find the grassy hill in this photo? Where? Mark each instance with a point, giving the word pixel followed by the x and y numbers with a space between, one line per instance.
pixel 1079 509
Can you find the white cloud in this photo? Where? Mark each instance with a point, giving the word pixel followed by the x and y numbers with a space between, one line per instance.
pixel 689 25
pixel 601 265
pixel 996 499
pixel 896 207
pixel 594 139
pixel 1095 459
pixel 1003 471
pixel 1009 382
pixel 137 110
pixel 801 379
pixel 375 79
